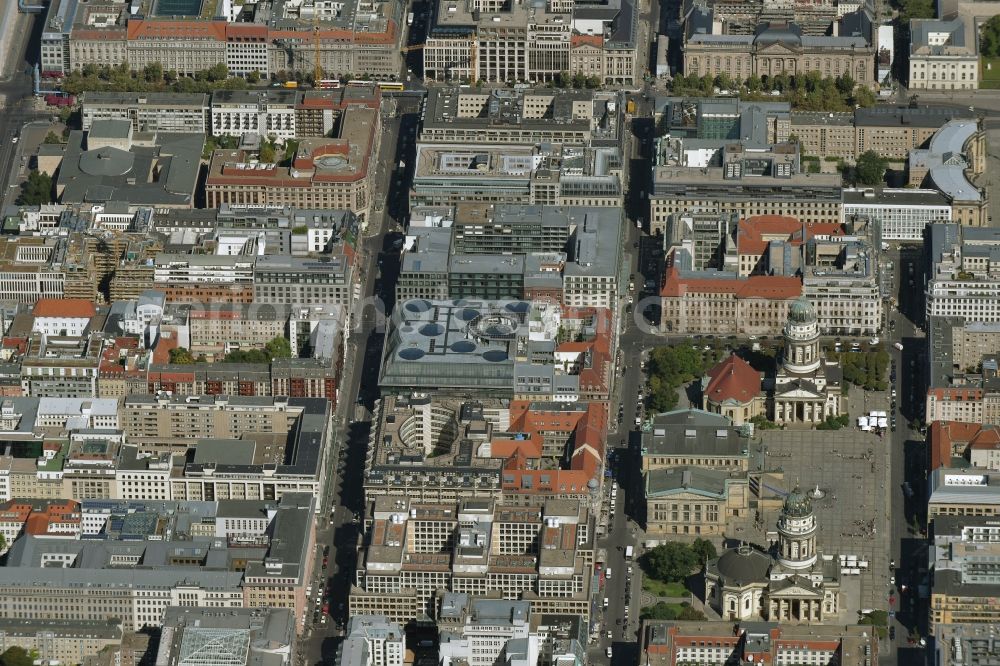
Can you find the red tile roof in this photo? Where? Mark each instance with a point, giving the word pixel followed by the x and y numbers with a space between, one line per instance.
pixel 64 307
pixel 771 287
pixel 947 439
pixel 591 40
pixel 733 379
pixel 588 426
pixel 754 233
pixel 957 394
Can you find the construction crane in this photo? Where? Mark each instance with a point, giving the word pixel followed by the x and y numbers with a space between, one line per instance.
pixel 317 66
pixel 473 51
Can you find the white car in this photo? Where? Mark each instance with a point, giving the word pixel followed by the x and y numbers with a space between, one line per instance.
pixel 608 652
pixel 873 341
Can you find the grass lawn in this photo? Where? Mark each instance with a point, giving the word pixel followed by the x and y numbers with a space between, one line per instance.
pixel 662 589
pixel 989 75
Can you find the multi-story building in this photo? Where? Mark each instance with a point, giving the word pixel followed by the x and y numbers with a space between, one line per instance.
pixel 292 377
pixel 718 643
pixel 702 235
pixel 136 580
pixel 266 113
pixel 721 302
pixel 324 172
pixel 233 230
pixel 952 162
pixel 281 279
pixel 964 276
pixel 902 214
pixel 63 641
pixel 271 37
pixel 542 555
pixel 54 52
pixel 499 116
pixel 246 635
pixel 554 174
pixel 499 348
pixel 694 464
pixel 747 179
pixel 894 131
pixel 962 492
pixel 974 403
pixel 510 252
pixel 221 328
pixel 106 163
pixel 841 280
pixel 494 42
pixel 780 48
pixel 62 368
pixel 824 134
pixel 965 577
pixel 267 446
pixel 486 448
pixel 955 443
pixel 489 626
pixel 204 278
pixel 148 112
pixel 943 54
pixel 971 342
pixel 372 640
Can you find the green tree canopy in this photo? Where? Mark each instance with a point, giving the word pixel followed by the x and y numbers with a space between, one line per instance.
pixel 989 38
pixel 15 656
pixel 153 72
pixel 665 611
pixel 181 356
pixel 52 138
pixel 36 190
pixel 670 562
pixel 704 549
pixel 279 347
pixel 267 153
pixel 871 168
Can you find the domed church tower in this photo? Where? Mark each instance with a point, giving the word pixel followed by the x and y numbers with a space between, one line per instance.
pixel 797 532
pixel 801 355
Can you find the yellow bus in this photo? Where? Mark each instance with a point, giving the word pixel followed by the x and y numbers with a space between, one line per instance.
pixel 387 85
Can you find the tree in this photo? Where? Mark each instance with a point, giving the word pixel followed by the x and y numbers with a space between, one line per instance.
pixel 989 38
pixel 52 138
pixel 754 84
pixel 845 84
pixel 279 347
pixel 218 72
pixel 15 656
pixel 266 153
pixel 153 72
pixel 579 80
pixel 704 549
pixel 290 148
pixel 181 356
pixel 665 611
pixel 36 190
pixel 253 77
pixel 3 543
pixel 870 169
pixel 670 562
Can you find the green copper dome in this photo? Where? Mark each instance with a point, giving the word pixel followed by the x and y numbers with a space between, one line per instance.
pixel 797 504
pixel 801 311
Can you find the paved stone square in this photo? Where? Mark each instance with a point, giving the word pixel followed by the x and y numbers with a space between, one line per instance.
pixel 849 466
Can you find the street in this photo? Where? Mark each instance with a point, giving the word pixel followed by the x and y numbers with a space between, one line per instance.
pixel 337 526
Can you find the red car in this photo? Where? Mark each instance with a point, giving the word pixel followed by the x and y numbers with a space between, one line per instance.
pixel 326 609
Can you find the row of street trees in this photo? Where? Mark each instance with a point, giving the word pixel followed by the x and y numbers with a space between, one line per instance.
pixel 810 91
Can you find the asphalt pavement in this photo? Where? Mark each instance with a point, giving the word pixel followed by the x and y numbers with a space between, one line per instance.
pixel 378 266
